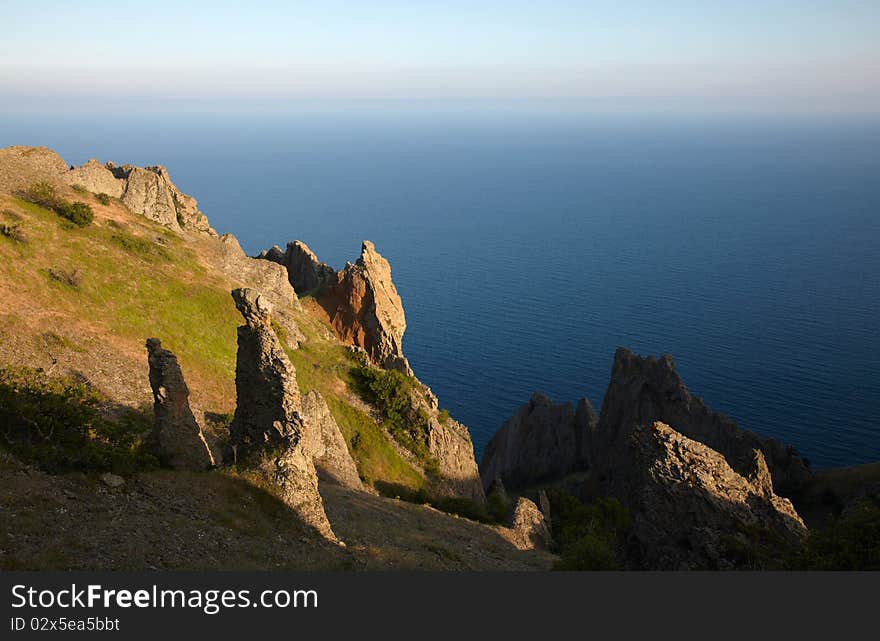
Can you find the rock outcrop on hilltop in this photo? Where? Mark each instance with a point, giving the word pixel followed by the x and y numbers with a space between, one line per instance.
pixel 21 166
pixel 180 440
pixel 540 442
pixel 647 389
pixel 327 445
pixel 268 426
pixel 689 508
pixel 148 191
pixel 361 301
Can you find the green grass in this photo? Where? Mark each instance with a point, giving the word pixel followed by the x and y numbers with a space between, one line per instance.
pixel 394 394
pixel 43 194
pixel 57 424
pixel 129 286
pixel 326 366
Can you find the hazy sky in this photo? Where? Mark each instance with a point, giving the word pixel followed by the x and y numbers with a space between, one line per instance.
pixel 752 54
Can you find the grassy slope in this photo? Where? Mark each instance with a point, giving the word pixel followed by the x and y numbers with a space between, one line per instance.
pixel 137 279
pixel 130 279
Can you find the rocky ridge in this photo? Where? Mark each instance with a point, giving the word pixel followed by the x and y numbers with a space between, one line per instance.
pixel 645 389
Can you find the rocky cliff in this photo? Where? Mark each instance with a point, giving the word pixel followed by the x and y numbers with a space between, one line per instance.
pixel 646 389
pixel 540 442
pixel 690 509
pixel 365 311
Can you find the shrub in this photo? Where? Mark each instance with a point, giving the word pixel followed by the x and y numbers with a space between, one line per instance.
pixel 443 416
pixel 57 425
pixel 588 536
pixel 392 393
pixel 498 507
pixel 80 214
pixel 79 189
pixel 102 198
pixel 467 508
pixel 850 542
pixel 44 195
pixel 69 277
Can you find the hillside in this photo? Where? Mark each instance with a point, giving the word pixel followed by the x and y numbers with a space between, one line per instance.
pixel 76 306
pixel 167 401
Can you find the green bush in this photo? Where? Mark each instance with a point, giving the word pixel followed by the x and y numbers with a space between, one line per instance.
pixel 57 425
pixel 461 506
pixel 79 189
pixel 392 392
pixel 850 542
pixel 44 195
pixel 498 507
pixel 102 198
pixel 588 536
pixel 80 214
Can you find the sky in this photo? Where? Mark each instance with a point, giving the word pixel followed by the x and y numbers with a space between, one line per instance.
pixel 770 54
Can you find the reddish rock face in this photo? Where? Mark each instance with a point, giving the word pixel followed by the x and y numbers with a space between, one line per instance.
pixel 365 309
pixel 361 301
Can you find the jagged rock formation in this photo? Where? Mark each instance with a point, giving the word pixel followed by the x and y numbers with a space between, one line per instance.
pixel 327 445
pixel 529 529
pixel 181 442
pixel 540 442
pixel 306 273
pixel 361 301
pixel 268 424
pixel 690 509
pixel 147 191
pixel 643 390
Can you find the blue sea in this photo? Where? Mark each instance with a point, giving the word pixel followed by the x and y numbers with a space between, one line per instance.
pixel 528 245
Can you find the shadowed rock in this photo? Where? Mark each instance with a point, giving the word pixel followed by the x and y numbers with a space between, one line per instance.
pixel 541 442
pixel 643 390
pixel 690 509
pixel 306 273
pixel 182 444
pixel 268 427
pixel 327 445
